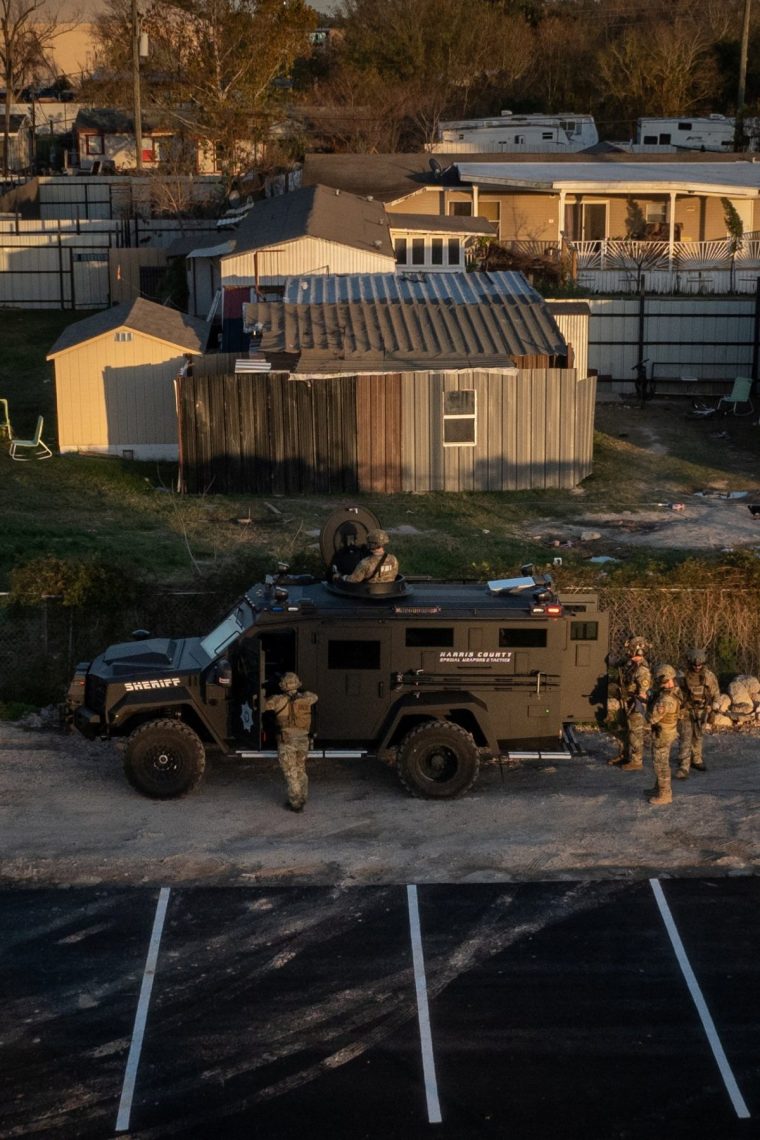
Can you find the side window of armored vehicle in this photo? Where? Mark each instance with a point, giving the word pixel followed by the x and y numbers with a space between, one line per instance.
pixel 431 643
pixel 583 635
pixel 437 636
pixel 529 646
pixel 353 654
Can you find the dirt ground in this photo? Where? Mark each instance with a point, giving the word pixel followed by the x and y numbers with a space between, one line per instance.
pixel 68 817
pixel 715 517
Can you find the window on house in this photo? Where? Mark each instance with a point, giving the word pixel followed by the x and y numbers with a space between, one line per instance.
pixel 460 209
pixel 418 251
pixel 454 251
pixel 94 144
pixel 664 140
pixel 656 212
pixel 650 140
pixel 400 250
pixel 436 251
pixel 123 336
pixel 459 418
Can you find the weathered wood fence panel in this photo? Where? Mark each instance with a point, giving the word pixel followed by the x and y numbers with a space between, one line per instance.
pixel 266 432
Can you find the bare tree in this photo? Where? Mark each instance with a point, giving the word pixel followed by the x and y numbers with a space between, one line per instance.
pixel 26 29
pixel 213 64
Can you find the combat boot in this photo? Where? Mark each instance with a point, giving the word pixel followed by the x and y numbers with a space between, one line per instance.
pixel 699 767
pixel 682 773
pixel 665 796
pixel 632 766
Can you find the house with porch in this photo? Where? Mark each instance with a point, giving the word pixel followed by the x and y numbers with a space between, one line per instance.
pixel 579 209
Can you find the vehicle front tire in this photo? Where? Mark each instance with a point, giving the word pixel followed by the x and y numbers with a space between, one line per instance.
pixel 438 761
pixel 164 759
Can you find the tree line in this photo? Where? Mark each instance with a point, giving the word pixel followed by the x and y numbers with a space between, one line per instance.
pixel 231 71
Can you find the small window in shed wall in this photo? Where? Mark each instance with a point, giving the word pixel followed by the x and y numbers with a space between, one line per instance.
pixel 459 418
pixel 122 336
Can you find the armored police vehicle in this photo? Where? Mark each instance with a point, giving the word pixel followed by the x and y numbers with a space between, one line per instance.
pixel 431 677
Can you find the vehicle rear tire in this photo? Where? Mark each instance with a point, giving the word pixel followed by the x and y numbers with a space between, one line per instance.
pixel 164 759
pixel 438 761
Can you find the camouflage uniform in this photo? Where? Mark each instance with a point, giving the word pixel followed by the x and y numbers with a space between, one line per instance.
pixel 663 717
pixel 377 566
pixel 292 709
pixel 700 689
pixel 635 680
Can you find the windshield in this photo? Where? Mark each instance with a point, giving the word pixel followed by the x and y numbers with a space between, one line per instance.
pixel 230 629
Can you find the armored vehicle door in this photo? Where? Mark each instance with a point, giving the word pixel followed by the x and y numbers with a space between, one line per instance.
pixel 352 664
pixel 533 706
pixel 245 700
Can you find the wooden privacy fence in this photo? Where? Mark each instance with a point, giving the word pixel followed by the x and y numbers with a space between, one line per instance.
pixel 279 432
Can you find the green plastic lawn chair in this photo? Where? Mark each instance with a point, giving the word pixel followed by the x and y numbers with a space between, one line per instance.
pixel 739 394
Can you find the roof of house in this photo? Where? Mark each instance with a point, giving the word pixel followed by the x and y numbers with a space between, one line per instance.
pixel 442 223
pixel 319 212
pixel 708 177
pixel 393 177
pixel 157 321
pixel 380 323
pixel 108 121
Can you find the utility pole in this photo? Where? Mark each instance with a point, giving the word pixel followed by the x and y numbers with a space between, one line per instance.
pixel 137 101
pixel 741 94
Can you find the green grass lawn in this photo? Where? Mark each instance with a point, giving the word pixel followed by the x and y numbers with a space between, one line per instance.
pixel 128 513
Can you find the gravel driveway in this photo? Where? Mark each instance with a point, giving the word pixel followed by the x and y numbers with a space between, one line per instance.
pixel 67 816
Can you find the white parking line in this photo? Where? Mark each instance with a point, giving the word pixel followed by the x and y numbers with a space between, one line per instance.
pixel 709 1026
pixel 423 1011
pixel 141 1016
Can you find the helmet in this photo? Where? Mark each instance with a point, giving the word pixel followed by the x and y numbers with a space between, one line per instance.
pixel 696 656
pixel 665 673
pixel 636 646
pixel 290 682
pixel 377 538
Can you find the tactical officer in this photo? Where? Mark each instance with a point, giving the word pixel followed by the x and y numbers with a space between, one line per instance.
pixel 378 566
pixel 635 682
pixel 663 717
pixel 700 690
pixel 292 708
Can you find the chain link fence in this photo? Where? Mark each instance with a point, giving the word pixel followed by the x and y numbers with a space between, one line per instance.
pixel 40 645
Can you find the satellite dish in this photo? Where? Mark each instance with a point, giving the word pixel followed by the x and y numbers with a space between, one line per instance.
pixel 435 166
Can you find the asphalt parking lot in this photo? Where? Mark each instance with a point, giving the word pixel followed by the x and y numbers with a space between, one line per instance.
pixel 606 1009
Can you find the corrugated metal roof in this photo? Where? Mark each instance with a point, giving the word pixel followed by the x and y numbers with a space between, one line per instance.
pixel 159 321
pixel 475 320
pixel 461 288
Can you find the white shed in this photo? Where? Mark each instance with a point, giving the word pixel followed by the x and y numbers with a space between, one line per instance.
pixel 308 231
pixel 114 379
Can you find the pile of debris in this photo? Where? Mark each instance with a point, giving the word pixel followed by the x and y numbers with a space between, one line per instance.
pixel 740 706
